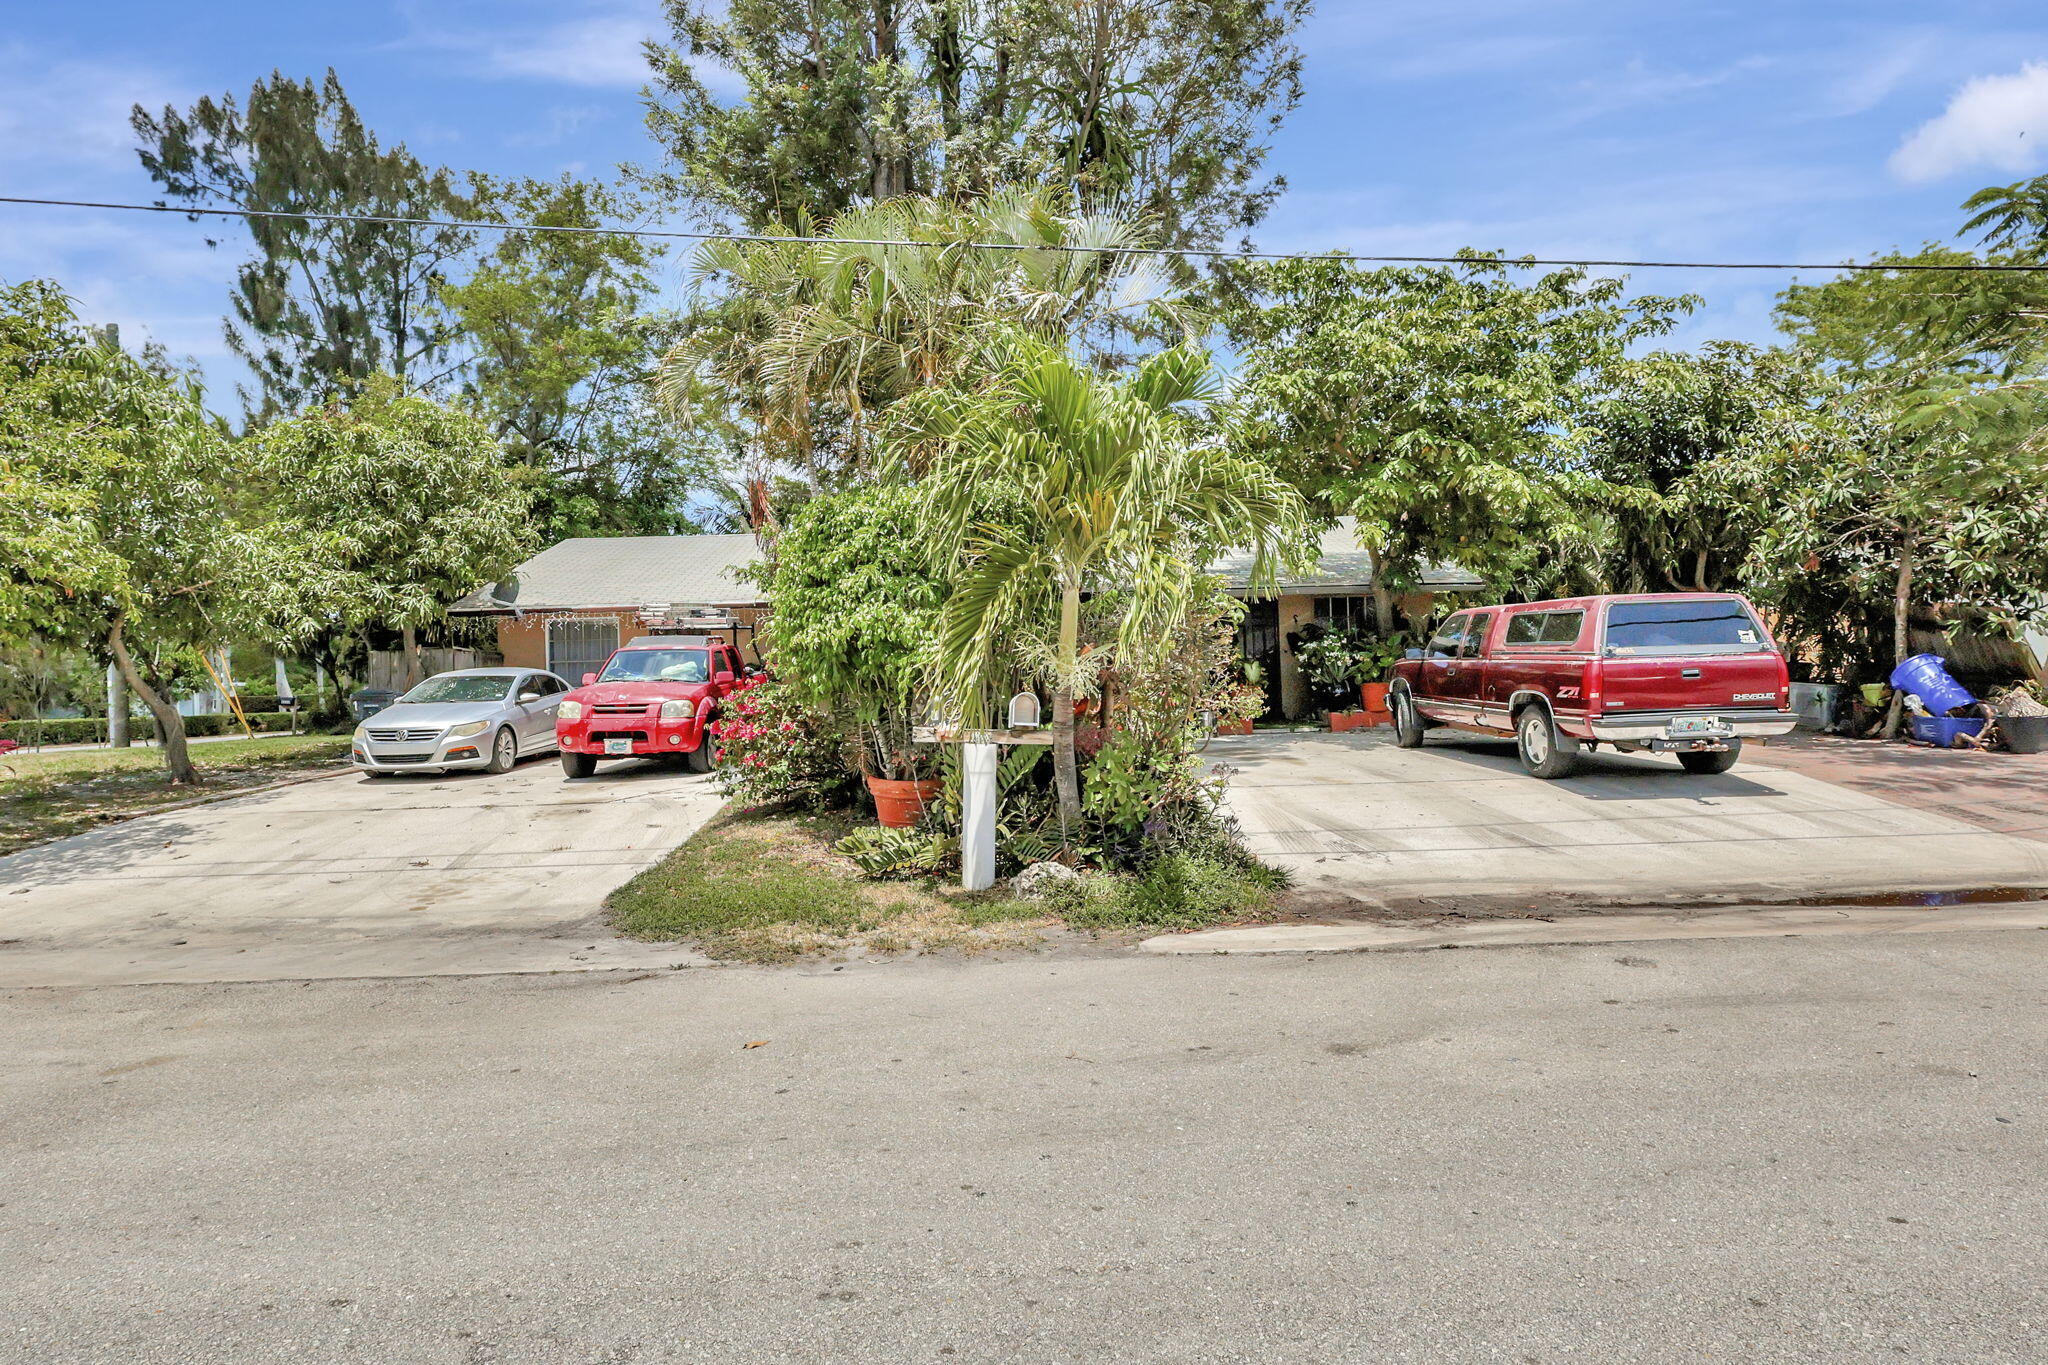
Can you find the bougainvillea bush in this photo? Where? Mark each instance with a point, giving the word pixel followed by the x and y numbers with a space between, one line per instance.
pixel 774 751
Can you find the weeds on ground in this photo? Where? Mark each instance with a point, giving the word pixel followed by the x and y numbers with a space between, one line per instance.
pixel 763 887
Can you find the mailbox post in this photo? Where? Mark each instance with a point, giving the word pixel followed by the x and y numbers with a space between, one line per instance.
pixel 980 754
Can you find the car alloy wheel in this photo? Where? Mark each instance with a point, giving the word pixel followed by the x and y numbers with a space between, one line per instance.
pixel 1545 752
pixel 1407 722
pixel 504 752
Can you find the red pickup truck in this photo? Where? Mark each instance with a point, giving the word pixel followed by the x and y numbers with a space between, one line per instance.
pixel 1693 674
pixel 656 697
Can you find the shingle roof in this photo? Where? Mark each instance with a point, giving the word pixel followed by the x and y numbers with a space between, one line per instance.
pixel 636 571
pixel 1341 565
pixel 624 571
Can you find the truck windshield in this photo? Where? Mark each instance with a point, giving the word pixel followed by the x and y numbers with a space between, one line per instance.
pixel 455 687
pixel 657 665
pixel 1713 625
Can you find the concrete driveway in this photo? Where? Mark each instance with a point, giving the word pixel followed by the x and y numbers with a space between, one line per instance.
pixel 1357 817
pixel 352 877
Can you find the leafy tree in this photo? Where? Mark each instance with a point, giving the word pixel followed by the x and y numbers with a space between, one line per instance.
pixel 812 342
pixel 392 506
pixel 320 302
pixel 146 556
pixel 1445 407
pixel 1677 429
pixel 1050 479
pixel 559 345
pixel 1160 106
pixel 1934 423
pixel 856 612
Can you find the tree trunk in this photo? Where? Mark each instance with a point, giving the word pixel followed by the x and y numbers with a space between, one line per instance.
pixel 1382 608
pixel 117 708
pixel 1065 770
pixel 409 640
pixel 1902 635
pixel 170 726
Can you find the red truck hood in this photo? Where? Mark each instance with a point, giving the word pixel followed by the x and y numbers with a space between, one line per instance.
pixel 642 693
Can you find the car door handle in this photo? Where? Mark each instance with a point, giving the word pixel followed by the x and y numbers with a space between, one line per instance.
pixel 1688 672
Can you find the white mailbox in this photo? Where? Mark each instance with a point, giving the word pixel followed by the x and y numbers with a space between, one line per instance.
pixel 1024 711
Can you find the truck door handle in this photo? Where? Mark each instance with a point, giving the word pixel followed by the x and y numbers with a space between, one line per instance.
pixel 1688 672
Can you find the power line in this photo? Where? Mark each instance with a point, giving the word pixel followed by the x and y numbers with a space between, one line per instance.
pixel 1206 253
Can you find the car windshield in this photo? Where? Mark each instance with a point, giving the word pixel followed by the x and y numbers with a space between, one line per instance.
pixel 455 687
pixel 1715 625
pixel 657 665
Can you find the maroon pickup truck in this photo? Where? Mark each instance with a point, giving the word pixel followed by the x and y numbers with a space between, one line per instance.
pixel 1693 674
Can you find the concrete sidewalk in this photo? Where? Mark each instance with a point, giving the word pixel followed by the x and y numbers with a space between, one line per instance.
pixel 1354 816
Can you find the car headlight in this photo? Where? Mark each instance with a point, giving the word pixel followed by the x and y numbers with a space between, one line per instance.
pixel 569 710
pixel 475 727
pixel 361 736
pixel 681 709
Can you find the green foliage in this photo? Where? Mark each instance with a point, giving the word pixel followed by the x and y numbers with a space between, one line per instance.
pixel 386 508
pixel 1163 107
pixel 150 550
pixel 561 345
pixel 804 346
pixel 880 852
pixel 773 749
pixel 1180 888
pixel 1445 407
pixel 856 610
pixel 93 729
pixel 320 303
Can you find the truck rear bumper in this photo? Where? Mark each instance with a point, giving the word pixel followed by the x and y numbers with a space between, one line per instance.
pixel 1644 727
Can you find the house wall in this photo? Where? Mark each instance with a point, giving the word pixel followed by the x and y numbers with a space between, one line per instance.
pixel 1296 611
pixel 524 640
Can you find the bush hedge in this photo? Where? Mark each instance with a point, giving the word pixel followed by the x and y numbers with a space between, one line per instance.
pixel 93 729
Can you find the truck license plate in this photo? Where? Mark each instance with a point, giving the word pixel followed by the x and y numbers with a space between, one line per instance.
pixel 618 746
pixel 1693 725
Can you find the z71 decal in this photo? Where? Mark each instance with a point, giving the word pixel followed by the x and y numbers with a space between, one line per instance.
pixel 1567 693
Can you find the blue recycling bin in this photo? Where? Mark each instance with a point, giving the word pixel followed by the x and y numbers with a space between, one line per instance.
pixel 1924 676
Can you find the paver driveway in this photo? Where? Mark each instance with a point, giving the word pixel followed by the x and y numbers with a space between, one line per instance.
pixel 1356 816
pixel 351 877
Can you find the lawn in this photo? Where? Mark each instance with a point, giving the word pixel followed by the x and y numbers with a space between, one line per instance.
pixel 60 792
pixel 766 888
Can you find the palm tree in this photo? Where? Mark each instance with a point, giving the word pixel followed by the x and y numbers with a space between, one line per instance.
pixel 819 338
pixel 1051 480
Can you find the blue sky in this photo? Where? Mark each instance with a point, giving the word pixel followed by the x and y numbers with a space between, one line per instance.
pixel 1815 130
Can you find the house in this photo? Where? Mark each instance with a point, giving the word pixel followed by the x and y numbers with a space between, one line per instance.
pixel 1337 593
pixel 570 606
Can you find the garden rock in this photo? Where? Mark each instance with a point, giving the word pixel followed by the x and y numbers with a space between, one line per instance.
pixel 1038 881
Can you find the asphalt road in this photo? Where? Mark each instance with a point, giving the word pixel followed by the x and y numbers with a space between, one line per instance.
pixel 1751 1150
pixel 1354 816
pixel 346 876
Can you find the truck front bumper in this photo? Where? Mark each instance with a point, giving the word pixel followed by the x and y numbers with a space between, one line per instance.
pixel 644 736
pixel 1652 729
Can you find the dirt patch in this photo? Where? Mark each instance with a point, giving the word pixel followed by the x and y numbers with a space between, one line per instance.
pixel 767 888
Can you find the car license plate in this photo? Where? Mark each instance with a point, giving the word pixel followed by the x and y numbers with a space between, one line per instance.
pixel 1693 725
pixel 618 746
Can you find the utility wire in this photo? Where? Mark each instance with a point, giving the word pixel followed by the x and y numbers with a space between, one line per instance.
pixel 1208 253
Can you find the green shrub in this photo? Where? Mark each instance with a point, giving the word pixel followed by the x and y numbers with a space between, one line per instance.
pixel 1199 879
pixel 774 750
pixel 881 852
pixel 93 729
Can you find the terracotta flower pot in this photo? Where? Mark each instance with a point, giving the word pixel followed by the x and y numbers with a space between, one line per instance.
pixel 1233 727
pixel 899 804
pixel 1374 695
pixel 1340 721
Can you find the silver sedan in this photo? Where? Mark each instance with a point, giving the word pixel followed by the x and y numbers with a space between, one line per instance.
pixel 485 718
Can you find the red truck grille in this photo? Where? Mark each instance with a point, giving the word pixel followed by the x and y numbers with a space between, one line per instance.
pixel 619 708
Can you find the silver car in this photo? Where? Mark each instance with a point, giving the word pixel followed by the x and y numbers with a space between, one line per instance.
pixel 485 718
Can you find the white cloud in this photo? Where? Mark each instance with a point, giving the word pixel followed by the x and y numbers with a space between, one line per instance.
pixel 602 50
pixel 72 115
pixel 1999 122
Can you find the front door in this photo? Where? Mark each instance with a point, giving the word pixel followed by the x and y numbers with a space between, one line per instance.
pixel 1258 641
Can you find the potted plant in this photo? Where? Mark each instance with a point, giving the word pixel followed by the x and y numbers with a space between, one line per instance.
pixel 1329 662
pixel 1375 660
pixel 1244 702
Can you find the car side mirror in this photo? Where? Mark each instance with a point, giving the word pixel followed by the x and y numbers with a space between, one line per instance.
pixel 1411 653
pixel 589 678
pixel 529 696
pixel 724 678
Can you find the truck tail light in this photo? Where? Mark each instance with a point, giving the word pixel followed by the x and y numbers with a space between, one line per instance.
pixel 1596 679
